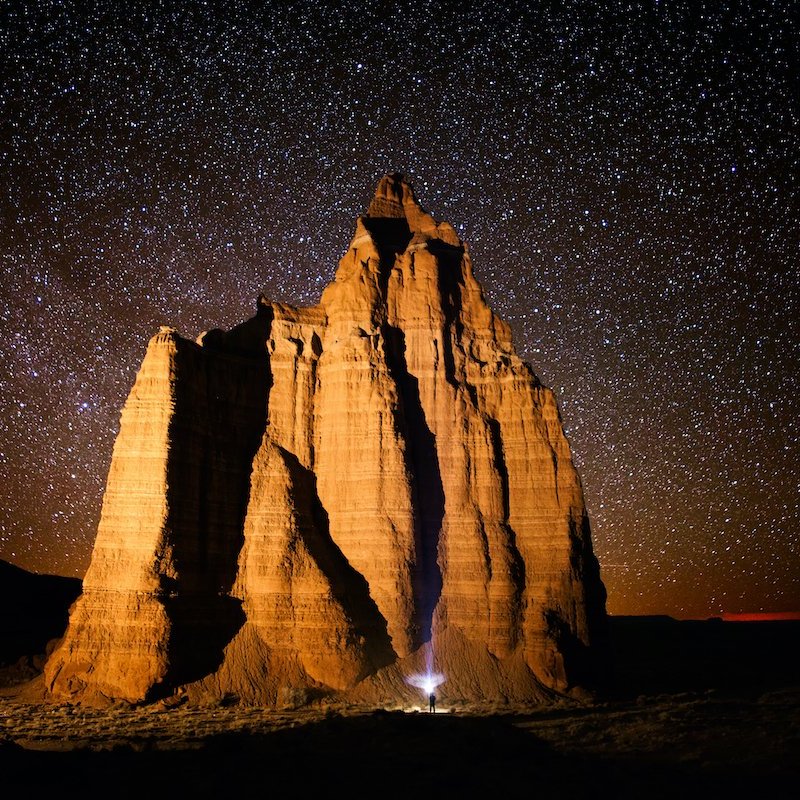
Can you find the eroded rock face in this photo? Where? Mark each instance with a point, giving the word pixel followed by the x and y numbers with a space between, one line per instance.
pixel 324 500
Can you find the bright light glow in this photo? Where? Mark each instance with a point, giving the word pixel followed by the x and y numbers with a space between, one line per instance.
pixel 427 682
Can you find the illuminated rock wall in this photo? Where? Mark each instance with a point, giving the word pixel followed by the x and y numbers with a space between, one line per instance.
pixel 318 500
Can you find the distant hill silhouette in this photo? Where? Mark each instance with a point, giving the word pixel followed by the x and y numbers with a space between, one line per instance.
pixel 33 610
pixel 659 654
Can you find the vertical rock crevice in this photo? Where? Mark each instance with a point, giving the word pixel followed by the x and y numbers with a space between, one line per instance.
pixel 428 494
pixel 219 417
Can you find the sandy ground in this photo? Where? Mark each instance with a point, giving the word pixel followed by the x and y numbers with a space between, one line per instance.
pixel 700 744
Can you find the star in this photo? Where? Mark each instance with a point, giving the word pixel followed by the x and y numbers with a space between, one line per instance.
pixel 622 173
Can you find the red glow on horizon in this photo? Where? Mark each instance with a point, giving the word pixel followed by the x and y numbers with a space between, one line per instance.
pixel 760 616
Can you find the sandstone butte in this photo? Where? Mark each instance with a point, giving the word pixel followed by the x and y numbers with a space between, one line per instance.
pixel 323 501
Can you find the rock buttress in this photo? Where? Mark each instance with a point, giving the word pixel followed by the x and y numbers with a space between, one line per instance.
pixel 323 500
pixel 156 607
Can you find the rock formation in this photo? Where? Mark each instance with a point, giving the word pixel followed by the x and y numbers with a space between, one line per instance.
pixel 322 501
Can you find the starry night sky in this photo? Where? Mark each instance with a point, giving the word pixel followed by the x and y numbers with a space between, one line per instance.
pixel 624 173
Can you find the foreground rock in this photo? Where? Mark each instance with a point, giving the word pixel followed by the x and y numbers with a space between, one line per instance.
pixel 325 500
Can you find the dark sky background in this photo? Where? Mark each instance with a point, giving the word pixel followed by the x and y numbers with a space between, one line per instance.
pixel 624 173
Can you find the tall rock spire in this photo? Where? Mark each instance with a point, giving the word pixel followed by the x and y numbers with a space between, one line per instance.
pixel 327 498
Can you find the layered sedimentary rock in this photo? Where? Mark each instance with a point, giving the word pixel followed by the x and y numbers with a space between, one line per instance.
pixel 324 500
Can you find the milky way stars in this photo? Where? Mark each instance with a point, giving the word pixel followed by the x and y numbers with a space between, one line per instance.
pixel 625 175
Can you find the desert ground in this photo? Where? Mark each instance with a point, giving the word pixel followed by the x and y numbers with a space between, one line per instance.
pixel 705 708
